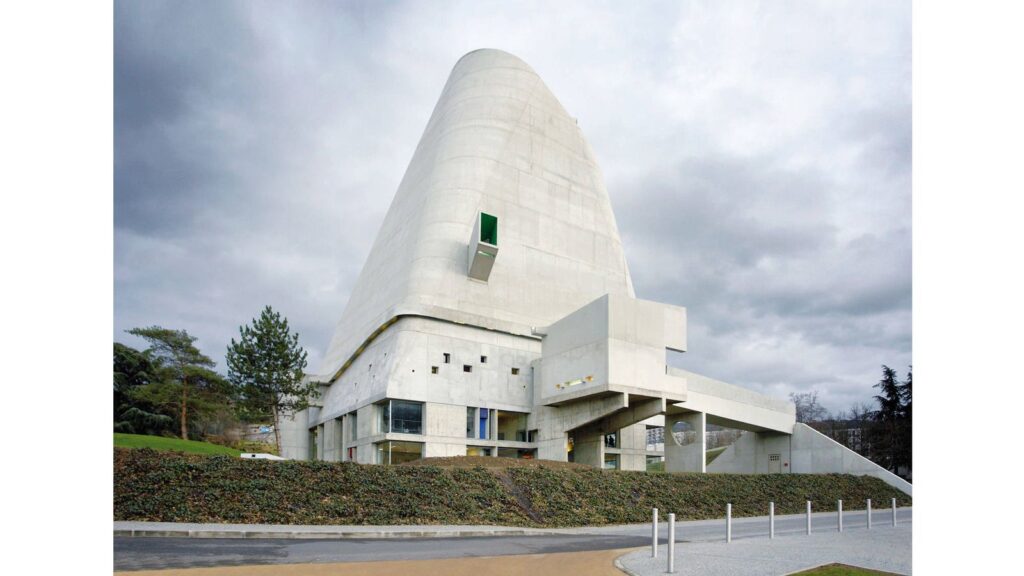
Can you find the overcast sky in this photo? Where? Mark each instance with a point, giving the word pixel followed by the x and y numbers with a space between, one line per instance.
pixel 758 157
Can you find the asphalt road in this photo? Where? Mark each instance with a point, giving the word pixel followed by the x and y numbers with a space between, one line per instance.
pixel 156 553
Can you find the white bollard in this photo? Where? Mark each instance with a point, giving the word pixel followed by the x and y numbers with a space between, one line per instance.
pixel 654 535
pixel 840 512
pixel 771 519
pixel 869 513
pixel 808 516
pixel 728 522
pixel 671 543
pixel 894 512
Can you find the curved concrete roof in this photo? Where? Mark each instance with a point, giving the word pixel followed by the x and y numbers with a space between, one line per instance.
pixel 498 142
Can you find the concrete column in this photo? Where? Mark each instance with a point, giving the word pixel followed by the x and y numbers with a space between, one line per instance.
pixel 869 513
pixel 331 435
pixel 894 512
pixel 690 455
pixel 588 447
pixel 554 448
pixel 771 520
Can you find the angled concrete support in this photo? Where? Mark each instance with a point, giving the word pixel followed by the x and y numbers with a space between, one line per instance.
pixel 685 448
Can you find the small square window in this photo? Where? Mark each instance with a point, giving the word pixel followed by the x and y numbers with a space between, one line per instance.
pixel 515 371
pixel 447 358
pixel 467 368
pixel 483 359
pixel 433 369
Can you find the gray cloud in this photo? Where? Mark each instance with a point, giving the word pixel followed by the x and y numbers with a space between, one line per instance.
pixel 758 157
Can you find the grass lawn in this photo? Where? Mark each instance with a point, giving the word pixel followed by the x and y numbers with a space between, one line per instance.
pixel 710 455
pixel 842 570
pixel 161 443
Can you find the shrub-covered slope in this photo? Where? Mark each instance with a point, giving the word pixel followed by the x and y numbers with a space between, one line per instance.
pixel 150 485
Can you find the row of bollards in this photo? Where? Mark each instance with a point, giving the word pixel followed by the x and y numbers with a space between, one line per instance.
pixel 728 526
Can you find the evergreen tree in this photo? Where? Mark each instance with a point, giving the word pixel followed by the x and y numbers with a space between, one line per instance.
pixel 184 385
pixel 889 416
pixel 266 366
pixel 906 421
pixel 133 370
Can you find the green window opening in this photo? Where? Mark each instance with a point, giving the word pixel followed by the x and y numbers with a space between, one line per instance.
pixel 488 229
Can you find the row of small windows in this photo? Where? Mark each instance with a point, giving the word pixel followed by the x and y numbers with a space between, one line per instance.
pixel 466 367
pixel 448 359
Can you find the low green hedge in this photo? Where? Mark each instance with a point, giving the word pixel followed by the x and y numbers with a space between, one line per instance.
pixel 188 488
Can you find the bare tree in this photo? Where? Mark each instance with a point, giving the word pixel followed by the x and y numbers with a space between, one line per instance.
pixel 807 407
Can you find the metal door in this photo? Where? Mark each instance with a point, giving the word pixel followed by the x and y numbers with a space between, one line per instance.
pixel 775 464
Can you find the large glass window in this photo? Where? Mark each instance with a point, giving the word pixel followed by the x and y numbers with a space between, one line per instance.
pixel 400 416
pixel 406 417
pixel 484 430
pixel 470 422
pixel 393 452
pixel 384 416
pixel 611 461
pixel 611 440
pixel 353 426
pixel 512 426
pixel 655 438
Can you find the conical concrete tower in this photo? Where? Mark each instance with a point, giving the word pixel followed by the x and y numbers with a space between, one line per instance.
pixel 501 144
pixel 501 225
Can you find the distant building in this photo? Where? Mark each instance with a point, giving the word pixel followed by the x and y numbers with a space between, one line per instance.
pixel 495 314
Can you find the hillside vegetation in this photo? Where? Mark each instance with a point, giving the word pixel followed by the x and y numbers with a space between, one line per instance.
pixel 174 444
pixel 149 485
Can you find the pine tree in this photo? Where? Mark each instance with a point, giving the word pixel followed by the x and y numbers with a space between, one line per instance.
pixel 888 415
pixel 184 380
pixel 906 421
pixel 266 365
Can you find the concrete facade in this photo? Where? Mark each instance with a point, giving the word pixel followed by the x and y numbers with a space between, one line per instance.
pixel 495 314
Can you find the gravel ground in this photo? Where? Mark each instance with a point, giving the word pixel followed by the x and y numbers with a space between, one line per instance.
pixel 881 548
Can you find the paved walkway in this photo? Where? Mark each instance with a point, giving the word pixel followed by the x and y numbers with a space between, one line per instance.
pixel 884 548
pixel 599 563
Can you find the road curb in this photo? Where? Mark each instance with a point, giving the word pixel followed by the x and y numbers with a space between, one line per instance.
pixel 622 567
pixel 321 535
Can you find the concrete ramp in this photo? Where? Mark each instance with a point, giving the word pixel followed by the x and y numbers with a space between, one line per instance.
pixel 806 451
pixel 813 452
pixel 733 406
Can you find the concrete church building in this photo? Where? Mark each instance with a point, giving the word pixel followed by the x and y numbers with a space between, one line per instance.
pixel 495 315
